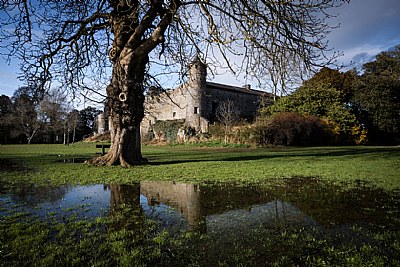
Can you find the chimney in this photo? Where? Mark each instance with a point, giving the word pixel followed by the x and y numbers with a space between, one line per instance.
pixel 247 86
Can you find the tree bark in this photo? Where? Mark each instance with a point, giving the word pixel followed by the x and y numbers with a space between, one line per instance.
pixel 30 136
pixel 126 107
pixel 73 135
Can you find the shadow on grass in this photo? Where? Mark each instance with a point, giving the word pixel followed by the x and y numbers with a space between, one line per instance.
pixel 379 152
pixel 9 165
pixel 227 155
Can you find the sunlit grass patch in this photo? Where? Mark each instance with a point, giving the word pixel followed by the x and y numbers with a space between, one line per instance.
pixel 63 164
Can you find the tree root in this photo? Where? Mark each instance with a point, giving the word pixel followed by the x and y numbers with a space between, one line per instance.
pixel 107 160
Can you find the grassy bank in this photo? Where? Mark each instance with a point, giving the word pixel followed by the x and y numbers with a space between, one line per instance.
pixel 58 164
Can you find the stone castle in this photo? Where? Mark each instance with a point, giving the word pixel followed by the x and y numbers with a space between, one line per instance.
pixel 196 101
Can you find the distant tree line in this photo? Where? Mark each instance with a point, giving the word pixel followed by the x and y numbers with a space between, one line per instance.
pixel 30 118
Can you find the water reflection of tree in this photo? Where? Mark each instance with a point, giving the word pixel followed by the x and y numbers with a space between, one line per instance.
pixel 332 204
pixel 126 228
pixel 32 195
pixel 125 195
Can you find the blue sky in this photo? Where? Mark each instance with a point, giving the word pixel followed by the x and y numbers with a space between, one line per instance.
pixel 367 28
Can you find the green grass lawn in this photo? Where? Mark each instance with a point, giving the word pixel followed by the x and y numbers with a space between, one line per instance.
pixel 378 166
pixel 124 237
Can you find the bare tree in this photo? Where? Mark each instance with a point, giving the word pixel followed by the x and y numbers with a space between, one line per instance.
pixel 25 115
pixel 66 42
pixel 72 122
pixel 227 115
pixel 283 69
pixel 52 113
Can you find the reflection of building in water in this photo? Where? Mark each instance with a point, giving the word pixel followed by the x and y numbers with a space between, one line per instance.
pixel 221 208
pixel 212 209
pixel 183 197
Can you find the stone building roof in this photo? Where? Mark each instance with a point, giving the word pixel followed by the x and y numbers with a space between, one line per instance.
pixel 246 89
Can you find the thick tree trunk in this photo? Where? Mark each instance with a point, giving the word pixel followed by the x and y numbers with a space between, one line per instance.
pixel 125 147
pixel 125 104
pixel 135 36
pixel 73 135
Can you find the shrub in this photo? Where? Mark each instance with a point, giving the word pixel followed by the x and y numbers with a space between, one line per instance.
pixel 293 129
pixel 167 130
pixel 319 100
pixel 248 134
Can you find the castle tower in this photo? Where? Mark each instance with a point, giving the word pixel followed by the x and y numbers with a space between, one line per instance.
pixel 196 86
pixel 101 123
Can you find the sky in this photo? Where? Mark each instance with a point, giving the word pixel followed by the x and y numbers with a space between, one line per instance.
pixel 367 27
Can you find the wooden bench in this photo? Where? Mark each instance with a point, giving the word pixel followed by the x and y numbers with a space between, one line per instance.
pixel 103 147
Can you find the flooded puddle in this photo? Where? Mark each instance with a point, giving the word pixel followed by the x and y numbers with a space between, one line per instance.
pixel 212 207
pixel 229 215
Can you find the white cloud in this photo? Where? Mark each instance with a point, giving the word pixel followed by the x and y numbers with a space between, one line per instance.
pixel 356 56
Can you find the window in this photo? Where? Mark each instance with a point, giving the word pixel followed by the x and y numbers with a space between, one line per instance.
pixel 196 110
pixel 214 107
pixel 173 114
